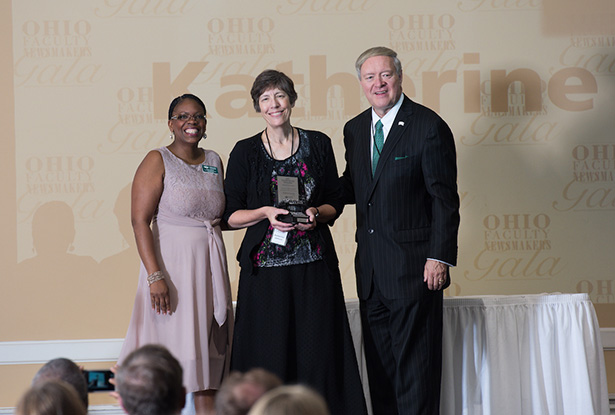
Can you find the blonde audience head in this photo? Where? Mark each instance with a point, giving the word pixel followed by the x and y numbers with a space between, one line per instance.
pixel 240 391
pixel 290 400
pixel 51 397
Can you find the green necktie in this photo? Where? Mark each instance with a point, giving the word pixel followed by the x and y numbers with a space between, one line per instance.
pixel 378 143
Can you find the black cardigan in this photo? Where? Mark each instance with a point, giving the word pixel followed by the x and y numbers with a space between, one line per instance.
pixel 248 176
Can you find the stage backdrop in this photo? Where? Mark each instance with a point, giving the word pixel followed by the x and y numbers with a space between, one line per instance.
pixel 527 87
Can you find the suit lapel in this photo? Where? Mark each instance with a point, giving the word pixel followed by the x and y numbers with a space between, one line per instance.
pixel 364 144
pixel 401 123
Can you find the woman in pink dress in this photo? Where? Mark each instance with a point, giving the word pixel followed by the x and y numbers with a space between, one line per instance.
pixel 183 296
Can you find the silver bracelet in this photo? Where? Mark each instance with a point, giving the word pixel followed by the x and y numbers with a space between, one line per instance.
pixel 154 276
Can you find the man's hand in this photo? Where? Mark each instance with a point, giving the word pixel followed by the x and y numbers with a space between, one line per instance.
pixel 435 274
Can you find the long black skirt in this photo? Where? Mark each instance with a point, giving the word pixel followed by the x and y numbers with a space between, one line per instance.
pixel 292 321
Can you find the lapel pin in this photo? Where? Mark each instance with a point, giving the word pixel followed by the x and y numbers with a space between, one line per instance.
pixel 401 123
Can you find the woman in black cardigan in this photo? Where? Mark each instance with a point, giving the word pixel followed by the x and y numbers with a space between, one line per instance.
pixel 291 317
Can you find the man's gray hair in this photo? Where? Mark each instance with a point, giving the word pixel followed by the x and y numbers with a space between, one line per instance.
pixel 149 382
pixel 378 51
pixel 66 370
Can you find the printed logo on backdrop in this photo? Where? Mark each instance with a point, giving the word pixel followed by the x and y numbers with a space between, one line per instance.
pixel 68 177
pixel 421 33
pixel 327 98
pixel 600 291
pixel 324 95
pixel 136 129
pixel 55 53
pixel 513 105
pixel 240 36
pixel 592 186
pixel 289 7
pixel 140 8
pixel 67 174
pixel 331 98
pixel 589 27
pixel 591 52
pixel 233 75
pixel 517 246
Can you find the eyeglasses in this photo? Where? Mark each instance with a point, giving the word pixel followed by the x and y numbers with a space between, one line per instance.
pixel 186 117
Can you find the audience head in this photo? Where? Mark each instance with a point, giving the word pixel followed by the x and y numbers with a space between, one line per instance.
pixel 290 400
pixel 239 391
pixel 149 382
pixel 67 371
pixel 50 397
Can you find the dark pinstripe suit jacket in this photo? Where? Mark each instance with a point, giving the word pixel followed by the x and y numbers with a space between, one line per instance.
pixel 409 210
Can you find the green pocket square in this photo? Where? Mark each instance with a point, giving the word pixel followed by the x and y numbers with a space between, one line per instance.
pixel 400 157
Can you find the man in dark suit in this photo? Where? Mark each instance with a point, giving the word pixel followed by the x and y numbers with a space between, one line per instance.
pixel 401 174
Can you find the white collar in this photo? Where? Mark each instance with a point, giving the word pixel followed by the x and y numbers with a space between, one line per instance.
pixel 389 117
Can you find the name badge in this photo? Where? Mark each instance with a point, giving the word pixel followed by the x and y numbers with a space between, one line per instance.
pixel 210 169
pixel 279 237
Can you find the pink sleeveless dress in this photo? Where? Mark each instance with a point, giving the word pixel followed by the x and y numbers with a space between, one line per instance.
pixel 191 253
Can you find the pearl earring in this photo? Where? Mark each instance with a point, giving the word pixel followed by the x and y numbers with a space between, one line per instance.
pixel 204 136
pixel 172 135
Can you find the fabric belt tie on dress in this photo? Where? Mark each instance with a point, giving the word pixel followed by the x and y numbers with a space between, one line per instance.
pixel 217 255
pixel 219 283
